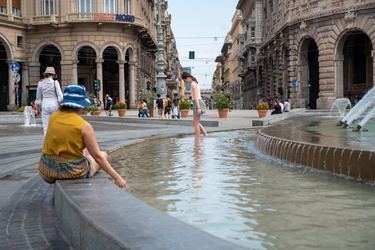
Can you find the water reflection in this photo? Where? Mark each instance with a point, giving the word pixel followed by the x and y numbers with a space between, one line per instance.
pixel 223 185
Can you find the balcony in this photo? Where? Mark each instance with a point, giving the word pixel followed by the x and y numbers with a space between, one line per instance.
pixel 87 17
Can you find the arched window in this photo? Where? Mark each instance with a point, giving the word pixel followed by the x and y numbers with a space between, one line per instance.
pixel 85 6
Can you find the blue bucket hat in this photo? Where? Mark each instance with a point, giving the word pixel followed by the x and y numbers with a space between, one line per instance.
pixel 75 97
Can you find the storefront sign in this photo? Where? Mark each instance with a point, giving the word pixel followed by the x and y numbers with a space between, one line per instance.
pixel 114 17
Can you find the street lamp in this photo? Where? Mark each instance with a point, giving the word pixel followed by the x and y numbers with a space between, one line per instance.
pixel 160 77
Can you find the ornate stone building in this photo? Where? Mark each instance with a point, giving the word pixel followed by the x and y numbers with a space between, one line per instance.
pixel 249 42
pixel 314 52
pixel 110 40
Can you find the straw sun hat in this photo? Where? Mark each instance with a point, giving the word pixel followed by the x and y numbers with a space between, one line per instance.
pixel 50 70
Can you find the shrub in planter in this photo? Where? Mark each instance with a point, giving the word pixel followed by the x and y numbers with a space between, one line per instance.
pixel 185 104
pixel 120 105
pixel 262 106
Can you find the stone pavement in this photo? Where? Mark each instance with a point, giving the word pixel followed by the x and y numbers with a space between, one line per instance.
pixel 27 216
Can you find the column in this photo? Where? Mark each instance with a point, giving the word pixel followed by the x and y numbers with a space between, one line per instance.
pixel 99 74
pixel 339 75
pixel 75 71
pixel 132 85
pixel 25 82
pixel 12 93
pixel 121 80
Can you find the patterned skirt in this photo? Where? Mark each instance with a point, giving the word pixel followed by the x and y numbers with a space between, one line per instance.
pixel 202 107
pixel 54 167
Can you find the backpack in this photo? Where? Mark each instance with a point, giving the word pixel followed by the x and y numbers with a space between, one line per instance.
pixel 169 105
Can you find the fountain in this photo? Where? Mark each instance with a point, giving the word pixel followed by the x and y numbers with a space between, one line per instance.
pixel 366 102
pixel 341 104
pixel 29 116
pixel 314 141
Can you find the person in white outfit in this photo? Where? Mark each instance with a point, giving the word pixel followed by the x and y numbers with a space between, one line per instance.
pixel 48 95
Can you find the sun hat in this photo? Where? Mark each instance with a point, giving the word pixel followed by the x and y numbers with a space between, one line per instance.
pixel 50 70
pixel 75 97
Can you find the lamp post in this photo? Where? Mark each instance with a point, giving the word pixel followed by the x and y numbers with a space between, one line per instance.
pixel 160 77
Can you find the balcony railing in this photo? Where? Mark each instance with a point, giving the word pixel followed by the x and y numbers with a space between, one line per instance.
pixel 86 17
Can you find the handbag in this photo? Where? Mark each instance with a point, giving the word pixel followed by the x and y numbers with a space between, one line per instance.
pixel 54 86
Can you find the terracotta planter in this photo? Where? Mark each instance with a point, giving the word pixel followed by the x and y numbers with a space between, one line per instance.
pixel 95 112
pixel 262 113
pixel 121 112
pixel 223 113
pixel 184 113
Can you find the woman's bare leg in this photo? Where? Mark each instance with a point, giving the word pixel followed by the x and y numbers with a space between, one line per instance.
pixel 198 128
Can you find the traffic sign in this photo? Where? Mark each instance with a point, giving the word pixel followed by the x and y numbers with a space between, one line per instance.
pixel 16 77
pixel 15 67
pixel 294 83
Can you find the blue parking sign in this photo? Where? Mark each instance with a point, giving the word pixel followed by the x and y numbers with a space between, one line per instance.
pixel 15 67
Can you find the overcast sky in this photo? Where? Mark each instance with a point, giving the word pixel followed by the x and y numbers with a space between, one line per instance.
pixel 201 26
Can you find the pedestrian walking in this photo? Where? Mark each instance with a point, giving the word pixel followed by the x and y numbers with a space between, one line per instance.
pixel 144 109
pixel 48 95
pixel 167 107
pixel 159 105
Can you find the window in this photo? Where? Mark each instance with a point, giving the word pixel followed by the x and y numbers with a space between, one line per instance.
pixel 48 7
pixel 252 33
pixel 252 55
pixel 109 6
pixel 16 12
pixel 127 7
pixel 3 6
pixel 85 6
pixel 20 42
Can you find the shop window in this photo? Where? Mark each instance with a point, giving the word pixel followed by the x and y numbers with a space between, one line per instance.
pixel 110 6
pixel 48 7
pixel 85 6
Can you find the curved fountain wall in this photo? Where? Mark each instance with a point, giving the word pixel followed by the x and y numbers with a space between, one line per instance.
pixel 353 162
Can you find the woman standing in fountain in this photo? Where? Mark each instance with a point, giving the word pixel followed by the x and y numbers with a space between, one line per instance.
pixel 70 149
pixel 49 95
pixel 199 106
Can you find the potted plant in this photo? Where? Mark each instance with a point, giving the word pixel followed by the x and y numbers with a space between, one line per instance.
pixel 121 108
pixel 222 103
pixel 95 110
pixel 184 106
pixel 149 96
pixel 262 109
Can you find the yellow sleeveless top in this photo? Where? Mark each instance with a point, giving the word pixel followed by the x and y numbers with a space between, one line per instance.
pixel 64 136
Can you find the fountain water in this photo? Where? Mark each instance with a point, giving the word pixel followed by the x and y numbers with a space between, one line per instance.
pixel 29 116
pixel 341 104
pixel 366 102
pixel 315 142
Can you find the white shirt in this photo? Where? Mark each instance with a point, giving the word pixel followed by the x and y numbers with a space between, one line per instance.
pixel 46 91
